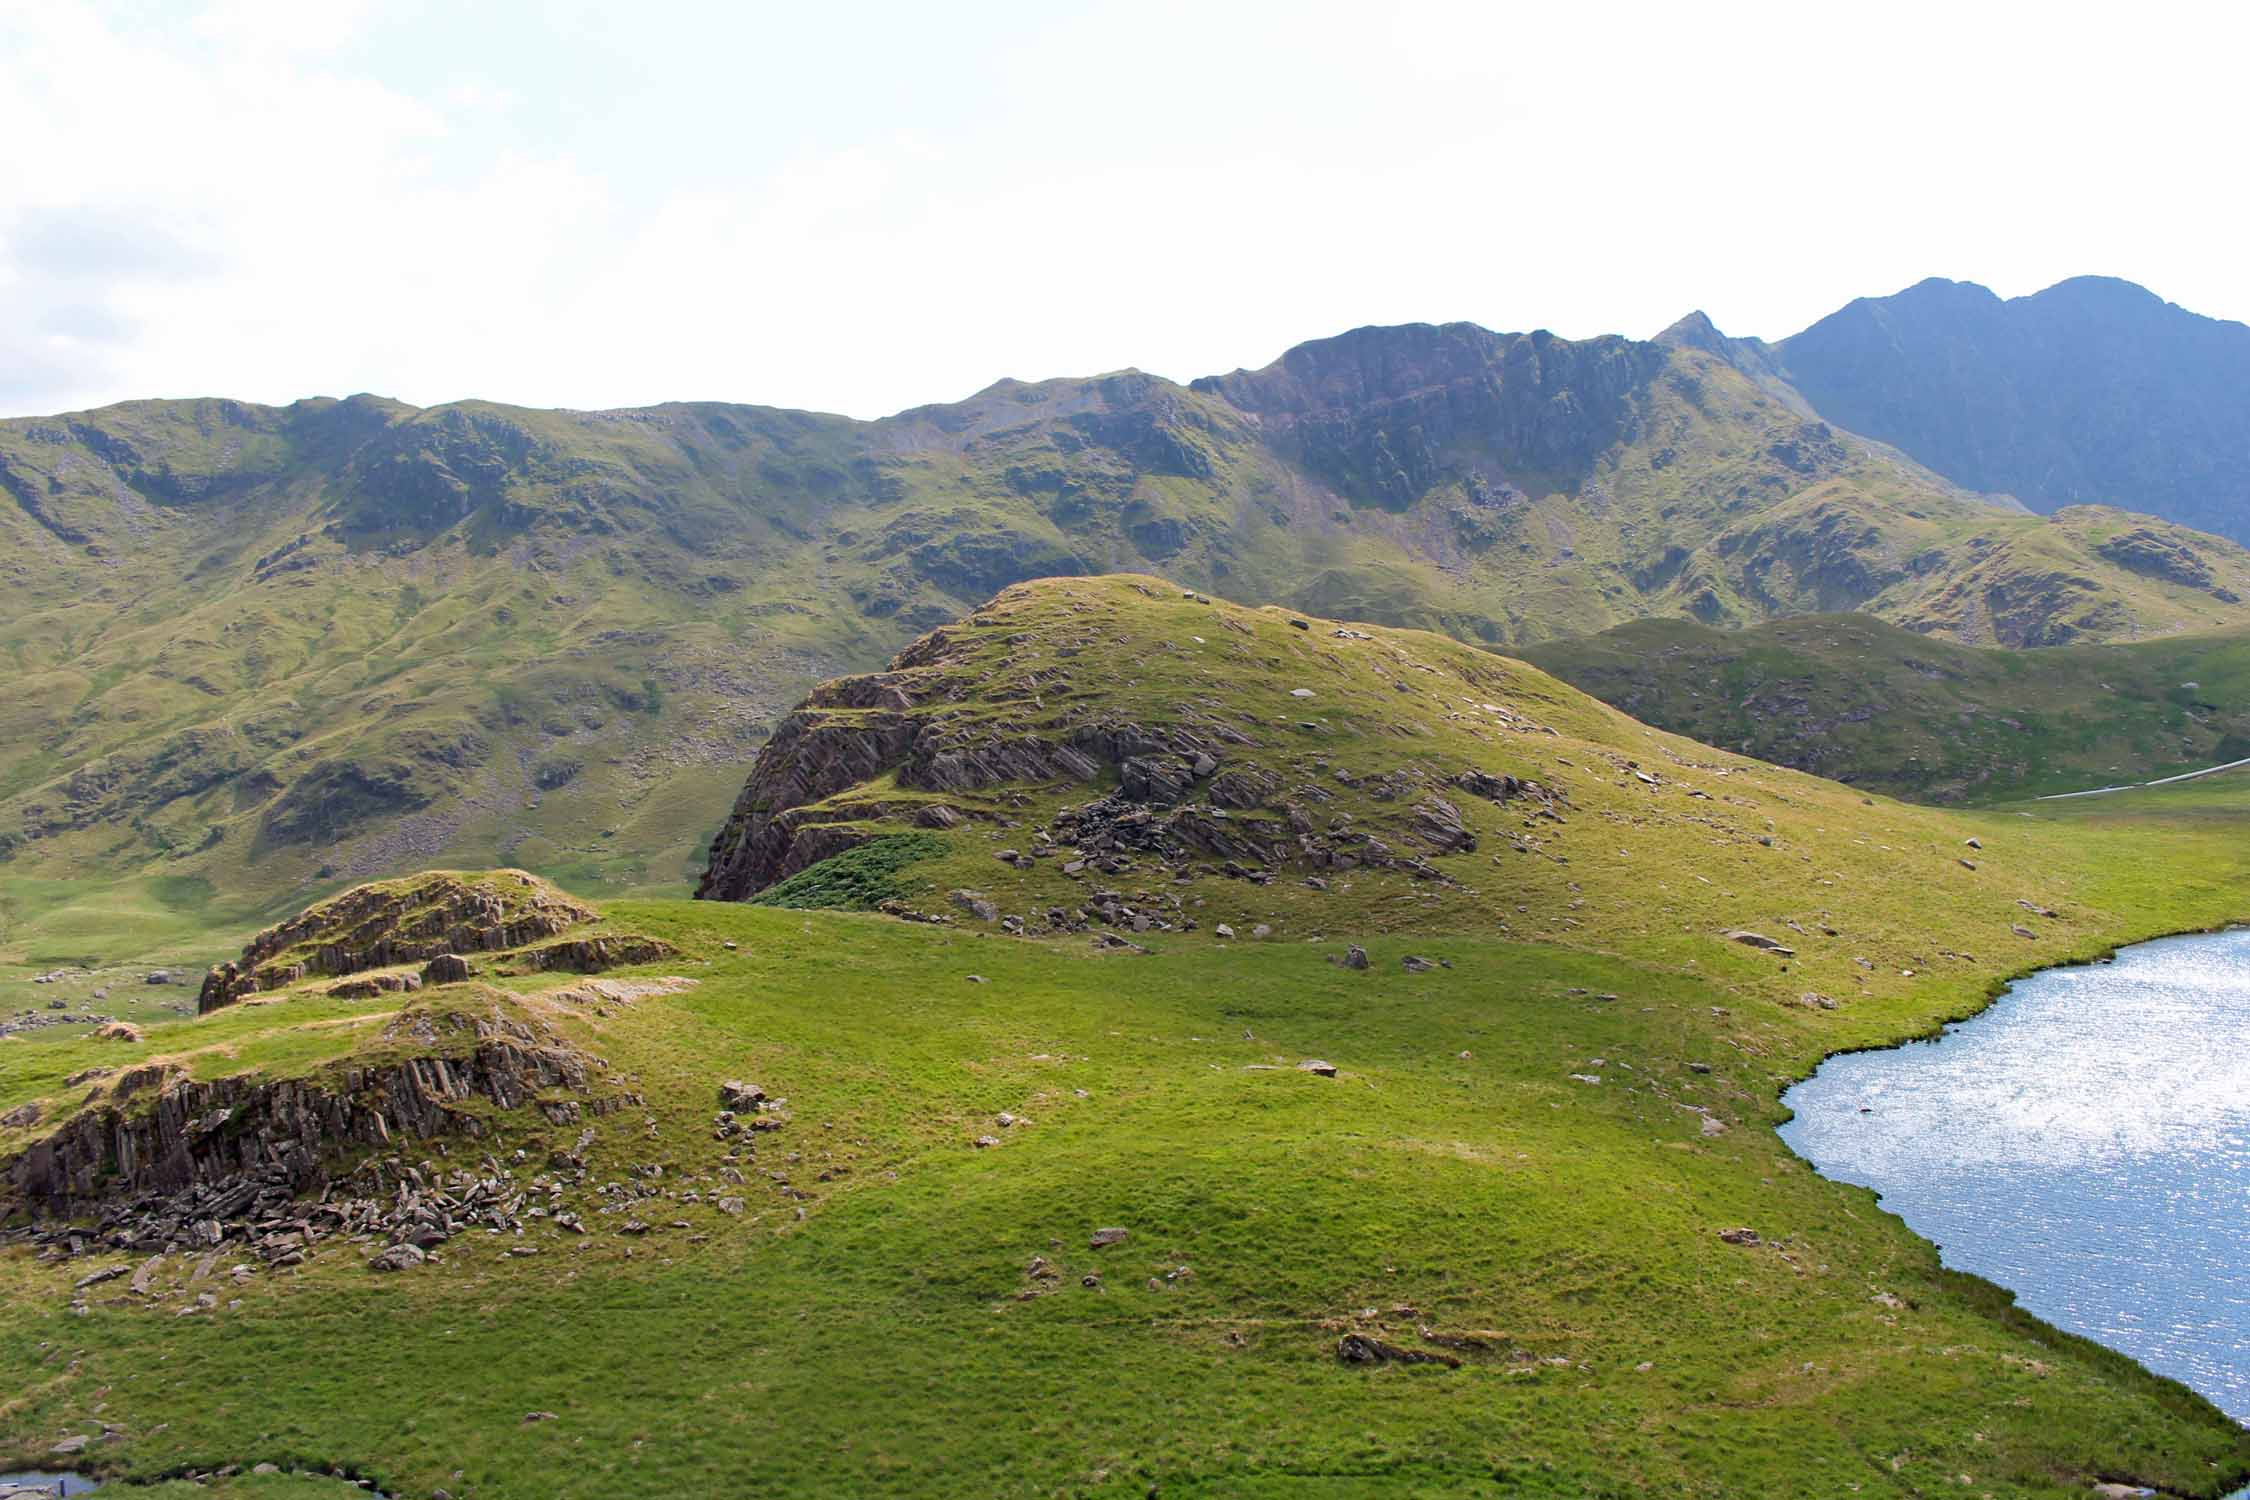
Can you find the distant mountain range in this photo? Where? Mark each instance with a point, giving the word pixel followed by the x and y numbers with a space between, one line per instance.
pixel 2094 391
pixel 260 650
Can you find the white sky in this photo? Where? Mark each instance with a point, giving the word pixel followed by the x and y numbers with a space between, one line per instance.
pixel 588 203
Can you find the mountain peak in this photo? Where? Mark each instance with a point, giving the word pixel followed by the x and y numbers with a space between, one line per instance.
pixel 1695 331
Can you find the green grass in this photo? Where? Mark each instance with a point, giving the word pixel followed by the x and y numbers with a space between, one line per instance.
pixel 1865 702
pixel 876 1344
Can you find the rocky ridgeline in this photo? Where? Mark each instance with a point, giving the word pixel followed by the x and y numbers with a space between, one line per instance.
pixel 397 922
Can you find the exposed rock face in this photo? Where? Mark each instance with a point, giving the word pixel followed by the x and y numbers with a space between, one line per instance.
pixel 1385 415
pixel 898 723
pixel 398 922
pixel 196 1132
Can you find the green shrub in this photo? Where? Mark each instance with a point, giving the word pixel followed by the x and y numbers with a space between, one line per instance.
pixel 858 879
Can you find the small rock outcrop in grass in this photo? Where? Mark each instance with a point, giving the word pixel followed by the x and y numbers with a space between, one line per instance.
pixel 397 922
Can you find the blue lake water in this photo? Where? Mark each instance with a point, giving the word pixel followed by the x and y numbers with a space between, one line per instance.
pixel 2085 1143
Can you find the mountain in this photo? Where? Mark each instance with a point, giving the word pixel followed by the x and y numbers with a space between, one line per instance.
pixel 1323 1060
pixel 1864 702
pixel 265 651
pixel 2092 391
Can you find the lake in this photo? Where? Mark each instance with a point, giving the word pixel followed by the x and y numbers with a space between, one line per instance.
pixel 2085 1142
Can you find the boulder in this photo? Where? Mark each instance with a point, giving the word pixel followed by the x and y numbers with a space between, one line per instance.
pixel 1361 1349
pixel 742 1098
pixel 976 904
pixel 446 968
pixel 1491 788
pixel 1102 1239
pixel 1438 824
pixel 397 1258
pixel 118 1031
pixel 1154 778
pixel 1317 1065
pixel 1761 942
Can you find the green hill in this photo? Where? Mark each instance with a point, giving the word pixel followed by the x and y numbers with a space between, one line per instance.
pixel 821 1202
pixel 1864 702
pixel 263 652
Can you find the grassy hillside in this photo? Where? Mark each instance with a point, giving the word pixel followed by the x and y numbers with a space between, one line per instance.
pixel 865 1300
pixel 1864 702
pixel 260 653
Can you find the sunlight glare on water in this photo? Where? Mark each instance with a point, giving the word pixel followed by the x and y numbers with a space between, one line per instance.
pixel 2085 1142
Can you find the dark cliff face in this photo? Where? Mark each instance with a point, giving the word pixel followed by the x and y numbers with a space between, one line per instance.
pixel 1384 414
pixel 2093 391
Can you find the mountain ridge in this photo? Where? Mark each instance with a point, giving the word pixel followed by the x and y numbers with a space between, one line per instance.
pixel 2094 389
pixel 262 651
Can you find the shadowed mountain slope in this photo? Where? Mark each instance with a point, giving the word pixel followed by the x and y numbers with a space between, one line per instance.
pixel 2092 391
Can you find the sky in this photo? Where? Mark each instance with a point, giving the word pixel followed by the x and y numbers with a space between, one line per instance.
pixel 860 208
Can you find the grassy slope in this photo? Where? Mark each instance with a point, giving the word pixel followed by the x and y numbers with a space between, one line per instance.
pixel 876 1345
pixel 1880 707
pixel 260 653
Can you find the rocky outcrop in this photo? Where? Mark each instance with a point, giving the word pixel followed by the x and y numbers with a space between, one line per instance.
pixel 367 987
pixel 902 724
pixel 2164 554
pixel 393 923
pixel 158 1131
pixel 593 955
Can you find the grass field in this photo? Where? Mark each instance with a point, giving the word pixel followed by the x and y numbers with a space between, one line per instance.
pixel 861 1327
